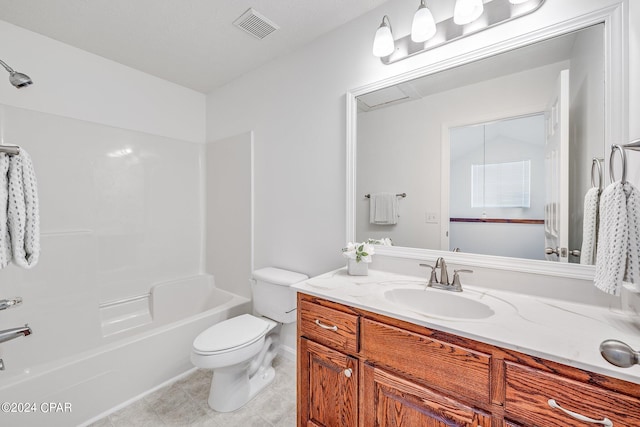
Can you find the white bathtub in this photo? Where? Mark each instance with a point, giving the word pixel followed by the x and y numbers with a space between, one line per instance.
pixel 133 358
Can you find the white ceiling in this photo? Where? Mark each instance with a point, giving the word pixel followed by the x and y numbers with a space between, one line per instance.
pixel 189 42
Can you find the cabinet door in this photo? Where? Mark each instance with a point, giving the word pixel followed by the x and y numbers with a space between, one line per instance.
pixel 328 386
pixel 389 400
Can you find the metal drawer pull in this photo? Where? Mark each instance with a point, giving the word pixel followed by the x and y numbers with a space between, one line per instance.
pixel 605 421
pixel 331 328
pixel 348 372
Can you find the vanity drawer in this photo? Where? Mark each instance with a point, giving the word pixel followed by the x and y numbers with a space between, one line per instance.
pixel 330 327
pixel 447 367
pixel 528 392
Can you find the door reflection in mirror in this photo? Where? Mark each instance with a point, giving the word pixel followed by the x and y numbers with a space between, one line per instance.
pixel 497 187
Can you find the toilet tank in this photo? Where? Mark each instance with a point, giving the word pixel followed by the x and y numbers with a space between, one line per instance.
pixel 272 293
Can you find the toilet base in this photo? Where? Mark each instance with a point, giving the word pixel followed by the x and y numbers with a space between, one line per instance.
pixel 232 388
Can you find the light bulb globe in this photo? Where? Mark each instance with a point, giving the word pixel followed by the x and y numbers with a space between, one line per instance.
pixel 424 26
pixel 467 11
pixel 383 44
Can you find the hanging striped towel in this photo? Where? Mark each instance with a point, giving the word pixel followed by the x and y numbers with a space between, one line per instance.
pixel 632 270
pixel 590 227
pixel 5 240
pixel 613 239
pixel 23 215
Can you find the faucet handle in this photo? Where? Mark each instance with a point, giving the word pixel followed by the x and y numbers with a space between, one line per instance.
pixel 457 286
pixel 8 303
pixel 432 279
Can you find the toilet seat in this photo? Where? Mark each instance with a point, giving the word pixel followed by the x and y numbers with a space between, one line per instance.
pixel 231 334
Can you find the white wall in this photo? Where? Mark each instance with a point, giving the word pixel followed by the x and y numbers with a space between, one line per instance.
pixel 633 170
pixel 586 137
pixel 73 83
pixel 296 108
pixel 120 211
pixel 229 212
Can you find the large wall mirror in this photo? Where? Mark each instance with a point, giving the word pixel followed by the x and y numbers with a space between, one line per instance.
pixel 490 158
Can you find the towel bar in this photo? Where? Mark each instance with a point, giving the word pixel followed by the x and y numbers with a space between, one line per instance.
pixel 12 150
pixel 633 145
pixel 597 163
pixel 368 196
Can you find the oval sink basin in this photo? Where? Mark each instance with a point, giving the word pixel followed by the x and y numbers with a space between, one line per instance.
pixel 437 303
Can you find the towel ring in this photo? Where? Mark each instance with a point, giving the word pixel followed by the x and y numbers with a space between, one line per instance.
pixel 598 164
pixel 623 180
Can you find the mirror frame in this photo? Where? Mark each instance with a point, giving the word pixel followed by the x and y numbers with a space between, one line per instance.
pixel 615 125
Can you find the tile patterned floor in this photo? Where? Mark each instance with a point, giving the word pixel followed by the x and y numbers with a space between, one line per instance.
pixel 184 403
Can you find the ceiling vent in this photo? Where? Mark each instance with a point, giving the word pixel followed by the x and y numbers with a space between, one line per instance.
pixel 255 24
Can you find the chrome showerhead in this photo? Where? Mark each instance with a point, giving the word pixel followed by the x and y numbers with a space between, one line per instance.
pixel 19 79
pixel 15 78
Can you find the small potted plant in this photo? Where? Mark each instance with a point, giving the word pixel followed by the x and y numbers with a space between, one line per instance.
pixel 358 258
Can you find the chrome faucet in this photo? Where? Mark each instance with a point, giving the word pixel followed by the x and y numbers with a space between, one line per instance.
pixel 444 276
pixel 443 283
pixel 9 334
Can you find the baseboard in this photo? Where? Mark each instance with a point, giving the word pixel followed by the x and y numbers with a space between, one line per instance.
pixel 287 352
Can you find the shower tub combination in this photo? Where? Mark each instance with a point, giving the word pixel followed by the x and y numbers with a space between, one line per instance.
pixel 146 342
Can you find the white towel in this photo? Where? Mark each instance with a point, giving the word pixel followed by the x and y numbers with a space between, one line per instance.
pixel 383 209
pixel 23 215
pixel 5 240
pixel 590 226
pixel 632 271
pixel 613 239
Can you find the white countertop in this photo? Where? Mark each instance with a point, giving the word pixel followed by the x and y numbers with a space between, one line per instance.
pixel 564 332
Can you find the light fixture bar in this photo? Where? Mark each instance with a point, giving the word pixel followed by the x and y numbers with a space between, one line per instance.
pixel 495 12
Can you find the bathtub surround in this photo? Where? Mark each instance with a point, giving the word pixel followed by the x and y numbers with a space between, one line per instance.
pixel 108 236
pixel 119 368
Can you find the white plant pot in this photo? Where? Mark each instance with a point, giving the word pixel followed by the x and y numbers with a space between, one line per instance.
pixel 356 268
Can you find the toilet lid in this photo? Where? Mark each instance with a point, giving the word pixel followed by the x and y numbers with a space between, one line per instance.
pixel 235 332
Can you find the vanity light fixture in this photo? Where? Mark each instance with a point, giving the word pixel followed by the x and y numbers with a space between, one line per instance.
pixel 383 44
pixel 467 11
pixel 468 17
pixel 424 26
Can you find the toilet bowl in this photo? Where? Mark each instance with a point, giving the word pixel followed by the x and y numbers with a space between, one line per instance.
pixel 241 350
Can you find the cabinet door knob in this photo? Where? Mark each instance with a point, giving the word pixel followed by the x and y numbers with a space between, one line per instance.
pixel 605 421
pixel 331 328
pixel 348 372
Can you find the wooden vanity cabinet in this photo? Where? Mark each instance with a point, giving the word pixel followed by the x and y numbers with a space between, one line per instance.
pixel 357 368
pixel 330 382
pixel 391 400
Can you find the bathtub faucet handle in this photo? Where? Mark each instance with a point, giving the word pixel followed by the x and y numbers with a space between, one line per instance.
pixel 8 303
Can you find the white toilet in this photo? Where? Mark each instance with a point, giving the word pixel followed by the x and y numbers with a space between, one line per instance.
pixel 240 350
